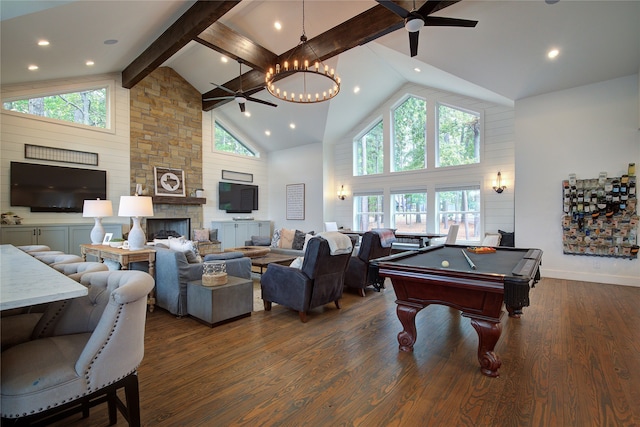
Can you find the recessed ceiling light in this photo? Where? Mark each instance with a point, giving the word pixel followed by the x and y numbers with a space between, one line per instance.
pixel 43 42
pixel 553 53
pixel 277 25
pixel 32 67
pixel 110 41
pixel 247 114
pixel 356 89
pixel 292 125
pixel 417 70
pixel 90 63
pixel 224 59
pixel 267 132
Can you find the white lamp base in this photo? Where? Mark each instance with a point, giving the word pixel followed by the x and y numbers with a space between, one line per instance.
pixel 137 238
pixel 97 232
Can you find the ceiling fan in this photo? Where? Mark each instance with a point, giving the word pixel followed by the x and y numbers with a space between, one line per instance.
pixel 417 18
pixel 241 96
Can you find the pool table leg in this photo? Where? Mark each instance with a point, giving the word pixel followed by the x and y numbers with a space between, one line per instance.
pixel 407 316
pixel 488 335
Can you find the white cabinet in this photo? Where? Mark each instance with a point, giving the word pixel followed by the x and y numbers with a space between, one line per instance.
pixel 65 238
pixel 233 234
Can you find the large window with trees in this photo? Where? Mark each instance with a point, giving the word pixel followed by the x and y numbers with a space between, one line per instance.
pixel 409 212
pixel 458 141
pixel 369 152
pixel 368 210
pixel 85 107
pixel 225 141
pixel 409 138
pixel 460 206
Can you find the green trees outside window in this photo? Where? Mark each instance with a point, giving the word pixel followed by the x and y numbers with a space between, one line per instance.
pixel 458 137
pixel 88 107
pixel 369 154
pixel 409 141
pixel 409 212
pixel 368 211
pixel 225 141
pixel 460 206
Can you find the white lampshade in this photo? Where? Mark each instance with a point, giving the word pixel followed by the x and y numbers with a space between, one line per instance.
pixel 136 207
pixel 97 209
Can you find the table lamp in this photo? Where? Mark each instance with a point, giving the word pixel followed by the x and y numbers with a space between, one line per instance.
pixel 97 209
pixel 136 207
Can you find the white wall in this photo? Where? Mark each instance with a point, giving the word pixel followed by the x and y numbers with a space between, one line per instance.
pixel 111 145
pixel 497 155
pixel 299 165
pixel 584 130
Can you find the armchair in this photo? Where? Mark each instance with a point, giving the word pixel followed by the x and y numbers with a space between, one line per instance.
pixel 93 350
pixel 358 275
pixel 319 281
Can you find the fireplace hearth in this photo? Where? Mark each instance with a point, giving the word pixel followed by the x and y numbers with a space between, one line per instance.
pixel 163 228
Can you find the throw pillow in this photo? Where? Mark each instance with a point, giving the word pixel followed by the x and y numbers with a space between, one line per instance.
pixel 298 240
pixel 261 240
pixel 201 234
pixel 286 238
pixel 507 238
pixel 275 241
pixel 297 263
pixel 183 245
pixel 307 237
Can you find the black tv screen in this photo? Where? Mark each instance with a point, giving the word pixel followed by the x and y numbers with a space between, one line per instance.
pixel 237 198
pixel 45 188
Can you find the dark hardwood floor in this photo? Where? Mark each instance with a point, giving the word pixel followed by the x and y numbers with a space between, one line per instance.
pixel 573 359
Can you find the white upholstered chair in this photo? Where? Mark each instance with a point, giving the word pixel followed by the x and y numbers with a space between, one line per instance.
pixel 34 248
pixel 93 349
pixel 75 270
pixel 330 226
pixel 59 259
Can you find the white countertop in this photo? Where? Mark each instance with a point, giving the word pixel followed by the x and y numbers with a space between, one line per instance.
pixel 25 281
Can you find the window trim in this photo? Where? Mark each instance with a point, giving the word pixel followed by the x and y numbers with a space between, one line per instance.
pixel 359 136
pixel 110 99
pixel 233 133
pixel 436 139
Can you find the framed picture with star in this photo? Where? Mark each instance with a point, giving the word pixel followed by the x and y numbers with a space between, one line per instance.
pixel 169 182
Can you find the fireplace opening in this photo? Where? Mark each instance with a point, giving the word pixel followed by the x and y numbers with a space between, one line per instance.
pixel 163 228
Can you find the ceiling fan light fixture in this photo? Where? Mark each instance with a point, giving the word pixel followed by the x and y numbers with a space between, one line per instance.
pixel 315 81
pixel 413 24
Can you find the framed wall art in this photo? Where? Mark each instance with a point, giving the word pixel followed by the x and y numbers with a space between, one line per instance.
pixel 169 182
pixel 295 201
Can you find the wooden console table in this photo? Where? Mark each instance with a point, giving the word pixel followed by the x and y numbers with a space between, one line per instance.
pixel 124 257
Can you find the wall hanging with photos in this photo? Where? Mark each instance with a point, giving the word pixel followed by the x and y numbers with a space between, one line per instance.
pixel 600 216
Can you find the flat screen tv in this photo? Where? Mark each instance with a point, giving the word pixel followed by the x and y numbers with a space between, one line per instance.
pixel 237 198
pixel 45 188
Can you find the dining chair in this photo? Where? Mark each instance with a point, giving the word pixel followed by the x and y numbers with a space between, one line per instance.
pixel 75 270
pixel 91 352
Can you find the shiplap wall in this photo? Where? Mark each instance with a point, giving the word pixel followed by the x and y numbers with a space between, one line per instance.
pixel 112 145
pixel 497 155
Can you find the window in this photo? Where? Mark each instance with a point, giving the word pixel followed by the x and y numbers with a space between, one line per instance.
pixel 409 135
pixel 87 107
pixel 458 137
pixel 369 152
pixel 229 143
pixel 460 206
pixel 368 212
pixel 409 212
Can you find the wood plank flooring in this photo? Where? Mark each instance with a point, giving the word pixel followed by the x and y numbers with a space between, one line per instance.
pixel 573 359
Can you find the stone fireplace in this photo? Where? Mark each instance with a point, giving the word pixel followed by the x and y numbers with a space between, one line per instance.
pixel 163 228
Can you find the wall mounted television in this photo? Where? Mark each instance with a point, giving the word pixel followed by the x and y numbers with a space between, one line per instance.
pixel 237 198
pixel 45 188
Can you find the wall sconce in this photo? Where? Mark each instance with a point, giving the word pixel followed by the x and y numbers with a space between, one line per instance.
pixel 341 194
pixel 497 185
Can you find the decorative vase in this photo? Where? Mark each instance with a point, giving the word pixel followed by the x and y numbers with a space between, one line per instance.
pixel 214 273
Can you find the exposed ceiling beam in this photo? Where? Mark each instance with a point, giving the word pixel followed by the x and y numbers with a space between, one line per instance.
pixel 194 21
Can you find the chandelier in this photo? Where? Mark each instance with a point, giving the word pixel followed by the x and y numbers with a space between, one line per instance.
pixel 310 80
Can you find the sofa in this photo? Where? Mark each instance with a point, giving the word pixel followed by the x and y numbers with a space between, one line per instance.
pixel 173 271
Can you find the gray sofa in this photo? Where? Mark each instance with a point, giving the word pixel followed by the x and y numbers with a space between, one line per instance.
pixel 266 241
pixel 172 272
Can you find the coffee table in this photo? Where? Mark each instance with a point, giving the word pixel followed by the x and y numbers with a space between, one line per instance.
pixel 251 251
pixel 271 258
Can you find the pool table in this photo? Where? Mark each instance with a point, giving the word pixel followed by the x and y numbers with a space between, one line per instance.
pixel 476 286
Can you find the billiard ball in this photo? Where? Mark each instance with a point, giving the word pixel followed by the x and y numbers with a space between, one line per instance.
pixel 445 263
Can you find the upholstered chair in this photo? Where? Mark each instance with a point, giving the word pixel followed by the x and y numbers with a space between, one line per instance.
pixel 75 270
pixel 319 281
pixel 358 276
pixel 34 248
pixel 59 259
pixel 43 253
pixel 93 349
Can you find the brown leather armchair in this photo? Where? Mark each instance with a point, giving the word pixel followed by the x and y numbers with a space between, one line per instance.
pixel 319 281
pixel 358 276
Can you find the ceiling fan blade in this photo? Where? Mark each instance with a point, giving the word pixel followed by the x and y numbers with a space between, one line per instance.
pixel 260 101
pixel 413 43
pixel 223 88
pixel 219 98
pixel 401 12
pixel 254 90
pixel 242 107
pixel 437 21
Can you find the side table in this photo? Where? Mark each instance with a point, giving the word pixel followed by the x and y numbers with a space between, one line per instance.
pixel 215 304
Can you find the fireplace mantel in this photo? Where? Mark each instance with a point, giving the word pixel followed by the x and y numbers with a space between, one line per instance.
pixel 167 200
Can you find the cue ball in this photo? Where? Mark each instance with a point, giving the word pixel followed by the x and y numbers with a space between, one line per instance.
pixel 445 263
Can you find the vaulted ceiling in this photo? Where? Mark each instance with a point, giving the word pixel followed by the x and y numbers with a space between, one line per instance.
pixel 502 59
